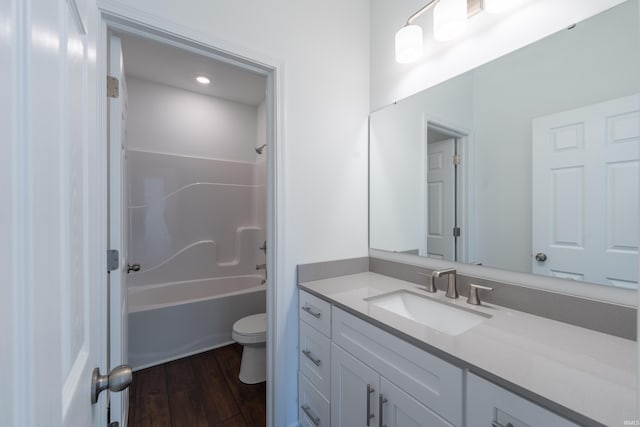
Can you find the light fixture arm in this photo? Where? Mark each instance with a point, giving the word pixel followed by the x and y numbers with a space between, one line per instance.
pixel 422 10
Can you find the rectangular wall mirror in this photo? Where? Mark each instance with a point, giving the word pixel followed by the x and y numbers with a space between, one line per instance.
pixel 529 163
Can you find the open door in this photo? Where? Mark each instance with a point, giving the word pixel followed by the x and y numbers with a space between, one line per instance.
pixel 441 194
pixel 585 193
pixel 118 215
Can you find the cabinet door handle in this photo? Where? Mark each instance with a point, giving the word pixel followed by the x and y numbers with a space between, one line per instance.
pixel 382 400
pixel 315 314
pixel 370 391
pixel 313 417
pixel 310 356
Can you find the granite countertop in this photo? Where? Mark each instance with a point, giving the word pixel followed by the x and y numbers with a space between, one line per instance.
pixel 573 371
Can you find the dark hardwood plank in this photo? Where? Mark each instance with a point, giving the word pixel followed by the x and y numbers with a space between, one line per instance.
pixel 201 390
pixel 249 397
pixel 132 399
pixel 237 421
pixel 152 403
pixel 185 401
pixel 217 399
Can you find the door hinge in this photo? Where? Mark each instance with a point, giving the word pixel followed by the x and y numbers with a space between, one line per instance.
pixel 457 159
pixel 113 87
pixel 456 231
pixel 113 259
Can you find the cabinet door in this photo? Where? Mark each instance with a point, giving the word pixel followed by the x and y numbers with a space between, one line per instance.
pixel 487 403
pixel 401 410
pixel 354 391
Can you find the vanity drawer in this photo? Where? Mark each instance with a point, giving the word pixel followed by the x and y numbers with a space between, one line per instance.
pixel 430 380
pixel 315 312
pixel 488 403
pixel 315 358
pixel 313 409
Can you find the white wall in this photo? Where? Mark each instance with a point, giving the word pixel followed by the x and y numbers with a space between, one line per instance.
pixel 488 37
pixel 165 119
pixel 323 49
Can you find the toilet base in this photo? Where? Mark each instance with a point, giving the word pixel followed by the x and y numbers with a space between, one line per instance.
pixel 253 367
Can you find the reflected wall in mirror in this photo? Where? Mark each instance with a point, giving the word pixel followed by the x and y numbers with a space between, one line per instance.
pixel 548 143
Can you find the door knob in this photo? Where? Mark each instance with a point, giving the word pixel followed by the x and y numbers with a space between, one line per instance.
pixel 117 380
pixel 541 257
pixel 133 267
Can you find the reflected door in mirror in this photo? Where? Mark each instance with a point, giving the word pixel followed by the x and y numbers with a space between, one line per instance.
pixel 585 193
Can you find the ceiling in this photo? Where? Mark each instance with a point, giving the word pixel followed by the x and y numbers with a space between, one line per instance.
pixel 160 63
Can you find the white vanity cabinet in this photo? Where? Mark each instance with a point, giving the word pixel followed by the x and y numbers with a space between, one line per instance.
pixel 361 397
pixel 491 405
pixel 314 375
pixel 369 364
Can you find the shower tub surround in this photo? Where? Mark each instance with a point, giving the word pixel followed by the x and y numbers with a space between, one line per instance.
pixel 195 228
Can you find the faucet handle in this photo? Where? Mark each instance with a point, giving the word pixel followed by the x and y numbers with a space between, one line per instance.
pixel 430 286
pixel 473 293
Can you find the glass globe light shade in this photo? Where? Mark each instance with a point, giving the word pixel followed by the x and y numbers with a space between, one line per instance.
pixel 449 19
pixel 409 42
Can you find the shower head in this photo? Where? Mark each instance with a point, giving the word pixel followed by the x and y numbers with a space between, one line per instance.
pixel 259 149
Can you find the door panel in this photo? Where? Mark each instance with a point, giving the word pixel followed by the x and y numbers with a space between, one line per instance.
pixel 440 199
pixel 118 234
pixel 349 380
pixel 402 410
pixel 59 249
pixel 585 192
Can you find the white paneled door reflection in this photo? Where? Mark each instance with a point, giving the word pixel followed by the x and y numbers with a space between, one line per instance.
pixel 585 193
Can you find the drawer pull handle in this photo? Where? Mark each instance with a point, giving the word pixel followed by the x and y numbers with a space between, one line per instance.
pixel 497 424
pixel 315 314
pixel 310 356
pixel 370 391
pixel 381 403
pixel 313 417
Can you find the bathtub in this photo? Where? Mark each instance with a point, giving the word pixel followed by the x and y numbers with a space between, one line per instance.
pixel 172 320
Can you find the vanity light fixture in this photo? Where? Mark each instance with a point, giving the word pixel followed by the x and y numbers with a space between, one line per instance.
pixel 203 80
pixel 449 21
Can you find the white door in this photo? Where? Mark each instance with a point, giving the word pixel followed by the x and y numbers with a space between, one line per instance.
pixel 440 199
pixel 118 233
pixel 401 410
pixel 354 391
pixel 55 235
pixel 585 193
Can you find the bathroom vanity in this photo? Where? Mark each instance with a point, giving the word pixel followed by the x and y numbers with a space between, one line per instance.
pixel 378 351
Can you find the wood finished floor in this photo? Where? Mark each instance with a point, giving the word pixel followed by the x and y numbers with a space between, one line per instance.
pixel 197 391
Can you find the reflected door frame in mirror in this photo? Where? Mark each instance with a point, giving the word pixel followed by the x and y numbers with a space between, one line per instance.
pixel 461 230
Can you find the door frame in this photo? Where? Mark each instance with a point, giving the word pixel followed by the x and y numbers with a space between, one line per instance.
pixel 124 19
pixel 465 189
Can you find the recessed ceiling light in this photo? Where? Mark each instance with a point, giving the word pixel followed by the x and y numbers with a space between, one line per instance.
pixel 203 80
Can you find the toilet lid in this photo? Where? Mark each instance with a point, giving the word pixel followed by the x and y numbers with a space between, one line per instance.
pixel 251 325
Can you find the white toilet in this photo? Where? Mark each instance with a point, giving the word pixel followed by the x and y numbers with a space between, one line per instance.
pixel 251 332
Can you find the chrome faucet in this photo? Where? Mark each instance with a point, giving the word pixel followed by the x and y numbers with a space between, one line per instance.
pixel 452 290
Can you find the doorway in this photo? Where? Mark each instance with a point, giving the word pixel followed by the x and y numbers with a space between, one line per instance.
pixel 446 194
pixel 160 171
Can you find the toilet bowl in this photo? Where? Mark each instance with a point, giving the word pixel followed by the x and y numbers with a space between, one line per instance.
pixel 251 333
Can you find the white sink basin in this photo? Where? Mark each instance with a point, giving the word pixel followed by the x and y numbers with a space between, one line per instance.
pixel 444 317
